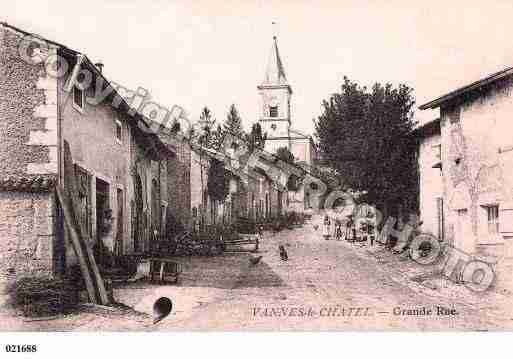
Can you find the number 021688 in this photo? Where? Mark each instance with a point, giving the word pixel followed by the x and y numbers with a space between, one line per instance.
pixel 25 348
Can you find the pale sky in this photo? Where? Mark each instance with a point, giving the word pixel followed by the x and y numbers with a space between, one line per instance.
pixel 214 53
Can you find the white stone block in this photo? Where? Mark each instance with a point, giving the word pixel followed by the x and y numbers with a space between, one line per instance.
pixel 51 97
pixel 47 83
pixel 46 110
pixel 43 138
pixel 42 168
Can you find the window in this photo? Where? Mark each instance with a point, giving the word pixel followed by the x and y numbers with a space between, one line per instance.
pixel 78 98
pixel 273 111
pixel 119 132
pixel 493 219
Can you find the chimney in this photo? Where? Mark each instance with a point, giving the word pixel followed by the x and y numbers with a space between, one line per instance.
pixel 99 65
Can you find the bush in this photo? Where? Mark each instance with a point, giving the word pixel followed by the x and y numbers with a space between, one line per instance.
pixel 37 297
pixel 206 243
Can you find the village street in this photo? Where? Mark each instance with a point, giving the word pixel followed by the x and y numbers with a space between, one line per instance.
pixel 322 279
pixel 320 287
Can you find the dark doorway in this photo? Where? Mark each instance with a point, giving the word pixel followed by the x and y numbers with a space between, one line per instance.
pixel 102 205
pixel 155 207
pixel 103 221
pixel 138 215
pixel 118 245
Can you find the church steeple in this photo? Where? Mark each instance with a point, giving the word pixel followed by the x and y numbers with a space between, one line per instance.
pixel 275 94
pixel 274 111
pixel 274 73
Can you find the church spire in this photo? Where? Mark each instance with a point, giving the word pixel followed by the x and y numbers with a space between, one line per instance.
pixel 274 73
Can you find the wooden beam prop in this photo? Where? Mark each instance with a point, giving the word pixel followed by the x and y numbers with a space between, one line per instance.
pixel 75 241
pixel 85 242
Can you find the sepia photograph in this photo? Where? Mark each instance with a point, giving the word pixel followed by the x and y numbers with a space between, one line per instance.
pixel 255 166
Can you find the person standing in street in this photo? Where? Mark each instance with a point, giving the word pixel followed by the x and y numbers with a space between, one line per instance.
pixel 326 228
pixel 338 230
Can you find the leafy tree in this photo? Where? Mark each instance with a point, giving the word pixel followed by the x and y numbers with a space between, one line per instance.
pixel 206 124
pixel 366 135
pixel 217 137
pixel 233 122
pixel 284 154
pixel 256 138
pixel 204 138
pixel 218 181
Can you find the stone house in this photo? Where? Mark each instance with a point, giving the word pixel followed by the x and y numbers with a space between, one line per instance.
pixel 430 178
pixel 204 208
pixel 476 158
pixel 255 197
pixel 122 169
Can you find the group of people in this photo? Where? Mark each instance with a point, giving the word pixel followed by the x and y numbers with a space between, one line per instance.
pixel 338 230
pixel 347 230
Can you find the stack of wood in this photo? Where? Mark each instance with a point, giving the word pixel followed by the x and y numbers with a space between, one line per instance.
pixel 186 244
pixel 189 245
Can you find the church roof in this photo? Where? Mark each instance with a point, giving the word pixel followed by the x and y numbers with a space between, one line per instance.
pixel 275 73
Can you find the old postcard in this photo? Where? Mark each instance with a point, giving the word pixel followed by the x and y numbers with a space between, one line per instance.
pixel 255 166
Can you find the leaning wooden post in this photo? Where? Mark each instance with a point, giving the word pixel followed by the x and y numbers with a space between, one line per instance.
pixel 84 239
pixel 75 241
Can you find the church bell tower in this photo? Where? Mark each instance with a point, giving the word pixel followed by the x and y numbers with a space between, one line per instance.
pixel 274 105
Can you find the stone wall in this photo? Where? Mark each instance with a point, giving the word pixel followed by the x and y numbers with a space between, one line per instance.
pixel 28 136
pixel 28 151
pixel 27 231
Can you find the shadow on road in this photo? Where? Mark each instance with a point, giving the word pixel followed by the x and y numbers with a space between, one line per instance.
pixel 259 276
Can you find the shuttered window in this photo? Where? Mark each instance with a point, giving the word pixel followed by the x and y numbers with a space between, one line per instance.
pixel 78 98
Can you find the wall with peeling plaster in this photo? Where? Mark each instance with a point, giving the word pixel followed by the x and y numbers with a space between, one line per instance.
pixel 477 157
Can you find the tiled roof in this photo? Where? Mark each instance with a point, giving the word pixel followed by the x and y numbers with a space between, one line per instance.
pixel 27 184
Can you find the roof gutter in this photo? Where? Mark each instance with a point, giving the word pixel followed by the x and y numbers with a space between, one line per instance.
pixel 473 86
